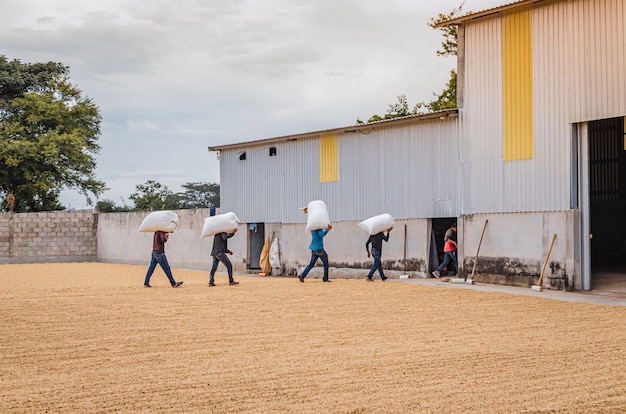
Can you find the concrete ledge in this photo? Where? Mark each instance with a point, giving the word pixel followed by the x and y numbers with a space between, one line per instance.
pixel 47 259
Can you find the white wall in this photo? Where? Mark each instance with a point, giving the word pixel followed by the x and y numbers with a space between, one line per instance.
pixel 512 251
pixel 119 241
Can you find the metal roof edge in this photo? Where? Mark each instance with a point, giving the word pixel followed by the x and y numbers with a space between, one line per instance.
pixel 489 12
pixel 346 129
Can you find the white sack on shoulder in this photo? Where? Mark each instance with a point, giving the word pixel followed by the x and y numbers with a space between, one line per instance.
pixel 161 220
pixel 220 223
pixel 317 215
pixel 376 224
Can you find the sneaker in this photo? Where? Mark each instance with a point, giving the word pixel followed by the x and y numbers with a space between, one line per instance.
pixel 233 283
pixel 178 284
pixel 301 278
pixel 327 280
pixel 436 274
pixel 369 279
pixel 211 284
pixel 147 286
pixel 383 278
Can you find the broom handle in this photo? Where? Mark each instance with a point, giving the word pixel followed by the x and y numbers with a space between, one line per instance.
pixel 404 262
pixel 478 250
pixel 546 261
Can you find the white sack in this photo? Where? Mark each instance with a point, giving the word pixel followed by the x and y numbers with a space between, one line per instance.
pixel 220 223
pixel 161 220
pixel 274 256
pixel 317 215
pixel 376 224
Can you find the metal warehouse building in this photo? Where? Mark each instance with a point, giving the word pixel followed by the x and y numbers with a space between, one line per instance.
pixel 535 149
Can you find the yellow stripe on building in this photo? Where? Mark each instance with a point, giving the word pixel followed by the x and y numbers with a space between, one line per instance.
pixel 329 158
pixel 517 86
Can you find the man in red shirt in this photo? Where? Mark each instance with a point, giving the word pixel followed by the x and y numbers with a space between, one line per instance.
pixel 158 256
pixel 449 251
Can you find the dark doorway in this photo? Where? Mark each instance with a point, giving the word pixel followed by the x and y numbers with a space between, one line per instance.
pixel 607 197
pixel 256 239
pixel 439 228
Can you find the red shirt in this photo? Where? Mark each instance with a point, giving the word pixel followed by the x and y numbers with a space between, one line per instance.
pixel 158 241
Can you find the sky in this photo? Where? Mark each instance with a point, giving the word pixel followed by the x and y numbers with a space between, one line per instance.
pixel 172 78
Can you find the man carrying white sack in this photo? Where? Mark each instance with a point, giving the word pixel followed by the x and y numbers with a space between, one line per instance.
pixel 317 252
pixel 376 241
pixel 219 251
pixel 158 256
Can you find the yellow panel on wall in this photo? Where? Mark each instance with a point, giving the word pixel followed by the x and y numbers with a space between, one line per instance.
pixel 329 158
pixel 517 86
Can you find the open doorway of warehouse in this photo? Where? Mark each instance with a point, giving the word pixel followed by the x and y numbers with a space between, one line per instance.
pixel 607 204
pixel 439 228
pixel 256 239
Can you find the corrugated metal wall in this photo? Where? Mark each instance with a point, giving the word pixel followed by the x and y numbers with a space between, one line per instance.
pixel 409 171
pixel 578 75
pixel 596 32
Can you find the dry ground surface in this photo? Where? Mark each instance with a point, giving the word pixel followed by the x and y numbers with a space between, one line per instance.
pixel 88 338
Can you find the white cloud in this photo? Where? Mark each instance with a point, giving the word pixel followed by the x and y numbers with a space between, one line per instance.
pixel 172 78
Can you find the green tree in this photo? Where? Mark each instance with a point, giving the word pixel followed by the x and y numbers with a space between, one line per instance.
pixel 153 195
pixel 108 206
pixel 48 136
pixel 199 195
pixel 445 100
pixel 395 110
pixel 450 32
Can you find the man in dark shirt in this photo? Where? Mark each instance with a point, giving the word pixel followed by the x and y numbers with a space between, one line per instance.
pixel 376 241
pixel 219 251
pixel 158 256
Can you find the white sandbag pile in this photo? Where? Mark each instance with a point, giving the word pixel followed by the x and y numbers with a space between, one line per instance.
pixel 220 223
pixel 317 215
pixel 376 224
pixel 161 220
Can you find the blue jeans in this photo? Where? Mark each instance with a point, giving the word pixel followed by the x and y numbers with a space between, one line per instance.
pixel 314 258
pixel 378 264
pixel 216 261
pixel 446 259
pixel 161 259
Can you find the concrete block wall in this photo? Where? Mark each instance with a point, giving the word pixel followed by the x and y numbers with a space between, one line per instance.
pixel 54 236
pixel 4 235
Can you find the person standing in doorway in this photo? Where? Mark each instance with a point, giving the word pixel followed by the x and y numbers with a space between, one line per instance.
pixel 376 241
pixel 317 252
pixel 449 251
pixel 158 256
pixel 219 253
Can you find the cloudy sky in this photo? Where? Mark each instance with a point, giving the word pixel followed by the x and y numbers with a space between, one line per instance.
pixel 172 78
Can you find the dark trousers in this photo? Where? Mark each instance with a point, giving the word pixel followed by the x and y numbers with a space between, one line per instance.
pixel 447 257
pixel 378 264
pixel 314 257
pixel 216 261
pixel 161 259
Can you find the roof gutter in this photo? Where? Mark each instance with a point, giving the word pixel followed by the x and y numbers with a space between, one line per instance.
pixel 489 12
pixel 359 128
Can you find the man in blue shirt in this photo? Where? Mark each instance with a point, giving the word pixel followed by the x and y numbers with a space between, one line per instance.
pixel 317 252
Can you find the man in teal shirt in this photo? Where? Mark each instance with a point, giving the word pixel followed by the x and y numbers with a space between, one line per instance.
pixel 317 252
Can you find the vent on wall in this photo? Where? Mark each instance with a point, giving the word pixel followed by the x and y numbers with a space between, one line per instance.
pixel 272 151
pixel 242 155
